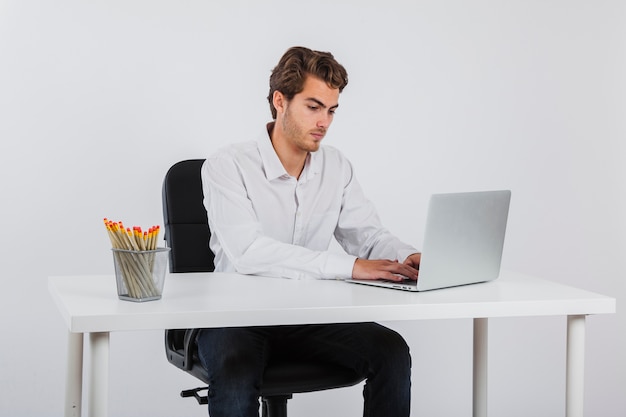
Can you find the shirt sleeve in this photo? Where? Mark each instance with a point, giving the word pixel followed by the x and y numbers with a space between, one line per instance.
pixel 360 231
pixel 237 237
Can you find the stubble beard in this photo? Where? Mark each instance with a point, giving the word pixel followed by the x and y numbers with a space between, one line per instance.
pixel 297 136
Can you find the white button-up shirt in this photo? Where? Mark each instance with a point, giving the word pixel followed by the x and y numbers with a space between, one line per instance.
pixel 265 222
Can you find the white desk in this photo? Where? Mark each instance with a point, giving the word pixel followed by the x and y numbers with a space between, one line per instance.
pixel 89 304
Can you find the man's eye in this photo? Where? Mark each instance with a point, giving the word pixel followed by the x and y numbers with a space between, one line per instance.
pixel 313 107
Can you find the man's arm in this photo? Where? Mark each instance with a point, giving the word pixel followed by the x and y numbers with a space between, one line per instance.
pixel 360 232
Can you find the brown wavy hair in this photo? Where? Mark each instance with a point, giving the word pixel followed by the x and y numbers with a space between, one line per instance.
pixel 296 64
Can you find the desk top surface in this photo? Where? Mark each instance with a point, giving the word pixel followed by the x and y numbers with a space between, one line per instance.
pixel 89 303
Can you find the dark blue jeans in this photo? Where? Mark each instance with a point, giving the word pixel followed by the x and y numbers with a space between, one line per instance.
pixel 236 358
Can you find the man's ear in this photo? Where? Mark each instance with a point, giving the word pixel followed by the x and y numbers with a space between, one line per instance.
pixel 279 101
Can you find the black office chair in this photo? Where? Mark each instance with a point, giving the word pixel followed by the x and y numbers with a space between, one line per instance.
pixel 187 234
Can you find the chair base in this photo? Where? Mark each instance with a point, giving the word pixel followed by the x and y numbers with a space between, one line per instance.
pixel 202 399
pixel 275 406
pixel 272 406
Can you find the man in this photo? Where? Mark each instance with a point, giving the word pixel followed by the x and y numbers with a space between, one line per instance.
pixel 273 207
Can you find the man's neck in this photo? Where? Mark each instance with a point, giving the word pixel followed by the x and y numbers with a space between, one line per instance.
pixel 293 159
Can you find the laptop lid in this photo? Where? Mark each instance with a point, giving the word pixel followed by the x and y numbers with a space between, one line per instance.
pixel 463 241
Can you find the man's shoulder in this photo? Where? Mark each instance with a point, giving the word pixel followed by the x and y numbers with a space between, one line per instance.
pixel 236 150
pixel 329 153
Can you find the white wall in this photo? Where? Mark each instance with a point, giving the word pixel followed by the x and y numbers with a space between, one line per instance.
pixel 99 98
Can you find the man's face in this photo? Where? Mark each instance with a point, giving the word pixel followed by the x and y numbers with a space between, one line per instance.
pixel 308 115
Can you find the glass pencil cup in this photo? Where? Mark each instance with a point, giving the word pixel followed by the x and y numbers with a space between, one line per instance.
pixel 140 275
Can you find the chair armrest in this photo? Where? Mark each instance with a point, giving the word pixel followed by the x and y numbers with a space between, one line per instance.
pixel 190 347
pixel 179 343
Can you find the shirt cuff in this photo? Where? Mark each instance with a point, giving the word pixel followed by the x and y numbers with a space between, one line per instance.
pixel 339 266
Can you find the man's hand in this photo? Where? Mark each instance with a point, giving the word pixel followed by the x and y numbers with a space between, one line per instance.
pixel 414 260
pixel 386 269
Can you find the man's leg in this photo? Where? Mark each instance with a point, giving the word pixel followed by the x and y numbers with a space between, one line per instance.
pixel 235 359
pixel 372 350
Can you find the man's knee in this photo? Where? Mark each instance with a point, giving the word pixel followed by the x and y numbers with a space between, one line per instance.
pixel 232 352
pixel 391 348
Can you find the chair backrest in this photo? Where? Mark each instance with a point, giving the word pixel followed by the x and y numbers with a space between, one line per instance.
pixel 185 220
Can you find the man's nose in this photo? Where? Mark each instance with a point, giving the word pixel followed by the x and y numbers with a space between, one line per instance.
pixel 324 121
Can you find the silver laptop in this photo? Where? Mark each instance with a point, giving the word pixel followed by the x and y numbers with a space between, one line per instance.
pixel 463 241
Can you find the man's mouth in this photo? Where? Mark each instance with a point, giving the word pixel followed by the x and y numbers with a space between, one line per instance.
pixel 318 135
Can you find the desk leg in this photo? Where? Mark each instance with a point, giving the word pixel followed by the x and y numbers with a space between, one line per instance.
pixel 99 374
pixel 480 368
pixel 575 367
pixel 74 375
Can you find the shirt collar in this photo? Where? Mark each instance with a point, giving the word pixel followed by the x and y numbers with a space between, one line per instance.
pixel 274 168
pixel 271 164
pixel 313 165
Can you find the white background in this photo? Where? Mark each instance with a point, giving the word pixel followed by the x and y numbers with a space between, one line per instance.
pixel 99 98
